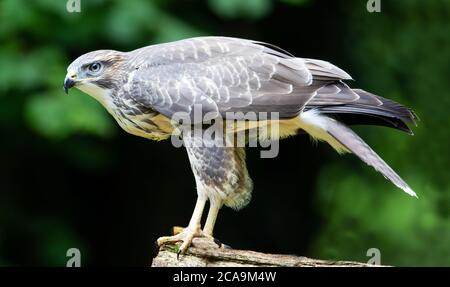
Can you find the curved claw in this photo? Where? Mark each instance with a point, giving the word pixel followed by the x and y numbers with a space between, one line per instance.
pixel 216 241
pixel 186 236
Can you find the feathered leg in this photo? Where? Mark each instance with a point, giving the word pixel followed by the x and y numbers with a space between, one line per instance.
pixel 221 176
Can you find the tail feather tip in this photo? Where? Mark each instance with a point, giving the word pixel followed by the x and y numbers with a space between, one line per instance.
pixel 409 191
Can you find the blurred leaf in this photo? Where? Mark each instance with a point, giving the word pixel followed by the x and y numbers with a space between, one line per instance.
pixel 295 2
pixel 129 20
pixel 50 5
pixel 57 115
pixel 54 239
pixel 172 29
pixel 24 71
pixel 253 9
pixel 23 16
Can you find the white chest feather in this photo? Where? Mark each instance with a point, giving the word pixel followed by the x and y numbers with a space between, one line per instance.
pixel 158 128
pixel 101 95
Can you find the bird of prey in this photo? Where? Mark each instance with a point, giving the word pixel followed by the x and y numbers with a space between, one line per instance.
pixel 144 89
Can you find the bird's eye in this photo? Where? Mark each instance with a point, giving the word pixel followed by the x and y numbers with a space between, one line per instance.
pixel 95 67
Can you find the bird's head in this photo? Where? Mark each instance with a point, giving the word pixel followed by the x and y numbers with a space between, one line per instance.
pixel 97 73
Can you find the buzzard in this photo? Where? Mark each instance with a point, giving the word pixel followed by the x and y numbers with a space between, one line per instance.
pixel 226 78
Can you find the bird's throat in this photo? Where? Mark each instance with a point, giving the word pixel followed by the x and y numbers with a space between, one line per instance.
pixel 100 94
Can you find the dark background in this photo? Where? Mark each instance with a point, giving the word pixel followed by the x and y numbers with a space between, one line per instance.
pixel 69 177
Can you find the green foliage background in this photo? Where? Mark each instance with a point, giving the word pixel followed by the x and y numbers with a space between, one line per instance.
pixel 52 144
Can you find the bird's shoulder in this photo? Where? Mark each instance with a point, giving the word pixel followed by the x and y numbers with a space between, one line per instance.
pixel 200 49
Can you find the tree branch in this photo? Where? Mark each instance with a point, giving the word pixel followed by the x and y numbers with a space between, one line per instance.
pixel 204 253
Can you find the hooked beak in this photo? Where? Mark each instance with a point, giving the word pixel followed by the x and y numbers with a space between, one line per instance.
pixel 69 82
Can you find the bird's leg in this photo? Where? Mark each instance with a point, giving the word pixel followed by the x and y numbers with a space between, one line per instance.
pixel 214 208
pixel 210 222
pixel 211 219
pixel 192 230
